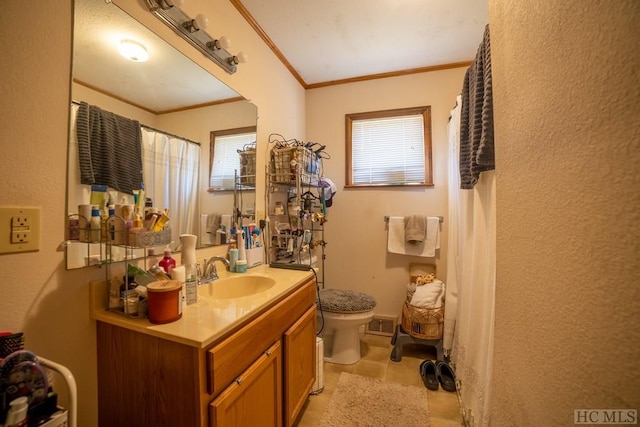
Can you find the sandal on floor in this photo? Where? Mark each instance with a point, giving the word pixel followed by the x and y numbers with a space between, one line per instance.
pixel 446 376
pixel 428 372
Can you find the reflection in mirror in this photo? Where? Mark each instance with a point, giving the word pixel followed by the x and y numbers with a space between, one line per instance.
pixel 168 93
pixel 233 167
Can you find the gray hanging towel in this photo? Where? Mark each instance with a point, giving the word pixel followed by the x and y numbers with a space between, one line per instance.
pixel 476 118
pixel 109 149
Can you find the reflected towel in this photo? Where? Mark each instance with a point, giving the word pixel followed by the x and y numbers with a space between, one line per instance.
pixel 415 228
pixel 213 222
pixel 109 149
pixel 396 242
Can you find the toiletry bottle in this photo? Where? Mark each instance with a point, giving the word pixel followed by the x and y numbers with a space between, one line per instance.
pixel 233 258
pixel 137 222
pixel 17 415
pixel 159 273
pixel 111 225
pixel 167 263
pixel 160 223
pixel 95 224
pixel 104 216
pixel 191 284
pixel 242 251
pixel 241 266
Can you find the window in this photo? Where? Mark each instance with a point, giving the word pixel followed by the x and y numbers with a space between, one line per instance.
pixel 389 148
pixel 224 159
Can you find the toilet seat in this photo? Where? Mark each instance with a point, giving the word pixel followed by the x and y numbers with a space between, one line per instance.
pixel 345 301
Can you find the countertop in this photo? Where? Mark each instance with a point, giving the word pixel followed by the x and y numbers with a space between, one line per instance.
pixel 207 320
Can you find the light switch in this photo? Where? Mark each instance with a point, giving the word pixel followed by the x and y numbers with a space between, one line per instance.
pixel 20 229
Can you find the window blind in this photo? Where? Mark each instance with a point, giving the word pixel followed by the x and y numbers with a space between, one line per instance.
pixel 388 151
pixel 226 160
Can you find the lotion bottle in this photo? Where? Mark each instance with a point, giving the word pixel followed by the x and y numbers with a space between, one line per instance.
pixel 95 224
pixel 242 252
pixel 233 258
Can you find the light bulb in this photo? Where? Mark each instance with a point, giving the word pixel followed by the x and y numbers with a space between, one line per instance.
pixel 221 43
pixel 201 21
pixel 240 58
pixel 224 42
pixel 133 51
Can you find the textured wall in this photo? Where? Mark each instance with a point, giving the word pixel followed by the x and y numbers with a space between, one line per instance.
pixel 567 123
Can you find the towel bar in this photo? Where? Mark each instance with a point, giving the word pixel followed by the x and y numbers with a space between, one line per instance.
pixel 386 218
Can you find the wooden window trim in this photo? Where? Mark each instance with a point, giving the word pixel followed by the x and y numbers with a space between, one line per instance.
pixel 425 111
pixel 212 142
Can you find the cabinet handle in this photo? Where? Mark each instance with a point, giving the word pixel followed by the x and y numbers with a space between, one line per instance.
pixel 268 352
pixel 239 380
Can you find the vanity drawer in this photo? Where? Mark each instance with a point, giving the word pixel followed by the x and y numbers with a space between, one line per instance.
pixel 228 359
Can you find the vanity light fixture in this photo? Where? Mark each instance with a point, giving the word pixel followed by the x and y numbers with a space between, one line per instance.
pixel 193 31
pixel 133 51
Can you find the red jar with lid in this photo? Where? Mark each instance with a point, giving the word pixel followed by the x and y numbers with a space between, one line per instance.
pixel 164 301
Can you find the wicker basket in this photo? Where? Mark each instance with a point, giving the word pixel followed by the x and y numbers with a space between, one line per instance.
pixel 423 323
pixel 420 322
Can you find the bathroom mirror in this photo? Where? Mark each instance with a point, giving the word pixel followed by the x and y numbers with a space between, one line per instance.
pixel 168 92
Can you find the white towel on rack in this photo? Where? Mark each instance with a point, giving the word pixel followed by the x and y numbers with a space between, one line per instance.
pixel 396 243
pixel 433 236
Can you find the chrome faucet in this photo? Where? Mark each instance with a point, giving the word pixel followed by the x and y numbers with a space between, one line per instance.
pixel 210 272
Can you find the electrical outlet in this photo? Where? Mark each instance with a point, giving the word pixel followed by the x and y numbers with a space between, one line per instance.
pixel 21 221
pixel 20 236
pixel 19 229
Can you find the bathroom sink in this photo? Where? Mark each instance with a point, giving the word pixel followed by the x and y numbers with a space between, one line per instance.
pixel 236 287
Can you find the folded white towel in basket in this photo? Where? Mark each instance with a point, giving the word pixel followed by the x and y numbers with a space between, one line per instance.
pixel 430 295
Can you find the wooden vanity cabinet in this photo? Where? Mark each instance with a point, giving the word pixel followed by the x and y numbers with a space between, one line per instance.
pixel 253 398
pixel 299 363
pixel 258 374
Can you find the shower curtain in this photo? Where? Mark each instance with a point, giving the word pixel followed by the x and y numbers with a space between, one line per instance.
pixel 468 337
pixel 171 169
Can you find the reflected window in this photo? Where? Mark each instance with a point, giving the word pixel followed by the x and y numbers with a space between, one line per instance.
pixel 225 159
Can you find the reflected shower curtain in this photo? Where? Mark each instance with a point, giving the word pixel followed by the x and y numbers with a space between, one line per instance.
pixel 471 274
pixel 171 169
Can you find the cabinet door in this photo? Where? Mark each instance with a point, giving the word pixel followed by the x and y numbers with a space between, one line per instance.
pixel 254 398
pixel 299 364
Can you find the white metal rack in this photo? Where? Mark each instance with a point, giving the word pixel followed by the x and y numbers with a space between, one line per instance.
pixel 64 417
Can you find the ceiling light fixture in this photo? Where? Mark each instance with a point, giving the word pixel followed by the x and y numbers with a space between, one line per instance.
pixel 192 30
pixel 133 51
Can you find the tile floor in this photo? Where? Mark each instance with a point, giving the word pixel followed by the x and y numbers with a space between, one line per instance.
pixel 375 362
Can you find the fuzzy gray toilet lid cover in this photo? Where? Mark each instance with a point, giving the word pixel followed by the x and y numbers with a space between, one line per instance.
pixel 345 301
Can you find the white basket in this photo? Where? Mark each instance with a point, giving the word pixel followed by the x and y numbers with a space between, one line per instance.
pixel 59 419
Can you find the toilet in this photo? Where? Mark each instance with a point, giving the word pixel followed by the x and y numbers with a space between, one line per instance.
pixel 343 312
